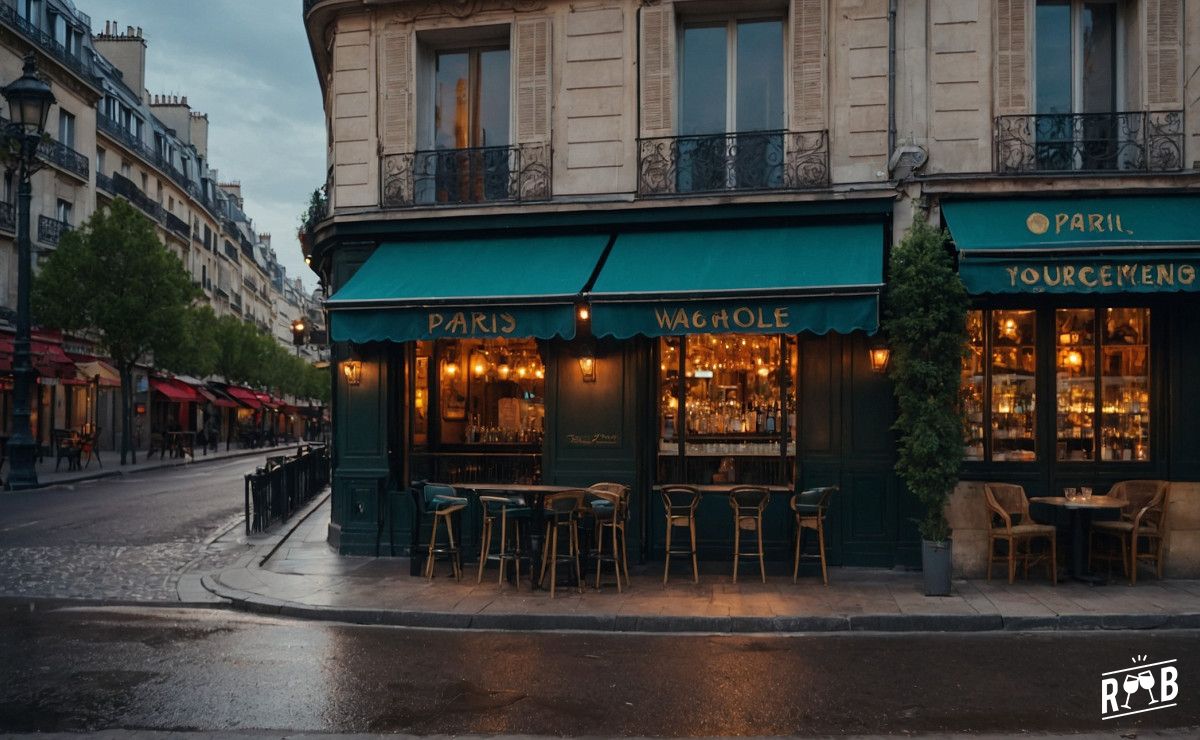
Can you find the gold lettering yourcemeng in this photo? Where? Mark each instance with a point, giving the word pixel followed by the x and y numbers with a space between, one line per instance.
pixel 1133 274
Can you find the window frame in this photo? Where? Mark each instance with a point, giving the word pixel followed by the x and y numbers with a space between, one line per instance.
pixel 1120 62
pixel 427 120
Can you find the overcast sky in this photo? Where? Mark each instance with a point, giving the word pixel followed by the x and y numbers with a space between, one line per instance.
pixel 247 65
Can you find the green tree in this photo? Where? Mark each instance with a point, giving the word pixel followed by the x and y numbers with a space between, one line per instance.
pixel 925 322
pixel 113 276
pixel 196 351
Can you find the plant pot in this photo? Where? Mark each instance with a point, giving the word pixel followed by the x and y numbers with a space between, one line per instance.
pixel 936 566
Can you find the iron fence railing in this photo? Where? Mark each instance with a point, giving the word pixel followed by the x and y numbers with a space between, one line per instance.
pixel 275 491
pixel 177 225
pixel 493 174
pixel 733 162
pixel 50 230
pixel 126 188
pixel 1134 141
pixel 105 183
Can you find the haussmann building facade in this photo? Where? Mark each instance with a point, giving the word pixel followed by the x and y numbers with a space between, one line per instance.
pixel 645 242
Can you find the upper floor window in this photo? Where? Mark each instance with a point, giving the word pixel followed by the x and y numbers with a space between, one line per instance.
pixel 731 77
pixel 66 128
pixel 28 9
pixel 471 98
pixel 63 211
pixel 100 155
pixel 1077 56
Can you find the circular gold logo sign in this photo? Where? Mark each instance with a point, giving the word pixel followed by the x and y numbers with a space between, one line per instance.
pixel 1037 223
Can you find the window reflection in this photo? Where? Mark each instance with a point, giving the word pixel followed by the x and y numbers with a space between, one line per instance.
pixel 1014 387
pixel 1075 362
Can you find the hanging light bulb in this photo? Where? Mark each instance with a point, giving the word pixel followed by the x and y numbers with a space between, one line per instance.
pixel 539 373
pixel 504 369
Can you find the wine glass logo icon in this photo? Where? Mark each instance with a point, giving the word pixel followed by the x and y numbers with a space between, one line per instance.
pixel 1146 680
pixel 1161 675
pixel 1130 686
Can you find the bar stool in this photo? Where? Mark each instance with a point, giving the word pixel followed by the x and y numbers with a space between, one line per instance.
pixel 511 514
pixel 562 512
pixel 680 504
pixel 444 502
pixel 810 507
pixel 610 510
pixel 748 504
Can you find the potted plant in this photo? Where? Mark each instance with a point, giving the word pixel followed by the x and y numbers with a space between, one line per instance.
pixel 925 321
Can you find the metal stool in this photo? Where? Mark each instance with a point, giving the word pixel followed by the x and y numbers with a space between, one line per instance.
pixel 562 511
pixel 748 504
pixel 680 504
pixel 443 502
pixel 610 510
pixel 510 513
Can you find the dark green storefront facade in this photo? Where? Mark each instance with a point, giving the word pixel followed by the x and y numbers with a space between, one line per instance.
pixel 807 275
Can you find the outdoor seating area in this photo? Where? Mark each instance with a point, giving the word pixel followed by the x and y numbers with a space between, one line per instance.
pixel 563 536
pixel 76 447
pixel 1126 526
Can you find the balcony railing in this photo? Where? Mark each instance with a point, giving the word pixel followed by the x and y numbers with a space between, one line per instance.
pixel 1136 141
pixel 8 217
pixel 494 174
pixel 177 225
pixel 81 66
pixel 125 188
pixel 61 155
pixel 50 230
pixel 734 162
pixel 105 183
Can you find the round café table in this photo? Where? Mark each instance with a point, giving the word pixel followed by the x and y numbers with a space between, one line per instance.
pixel 1080 512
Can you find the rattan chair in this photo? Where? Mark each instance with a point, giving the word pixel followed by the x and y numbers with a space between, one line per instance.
pixel 562 513
pixel 443 502
pixel 1009 522
pixel 610 511
pixel 679 503
pixel 810 507
pixel 1143 518
pixel 748 504
pixel 511 514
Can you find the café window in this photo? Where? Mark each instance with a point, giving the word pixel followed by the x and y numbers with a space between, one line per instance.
pixel 1101 385
pixel 1119 384
pixel 725 408
pixel 478 409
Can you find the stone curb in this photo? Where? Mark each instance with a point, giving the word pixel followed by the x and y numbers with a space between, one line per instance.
pixel 119 472
pixel 257 603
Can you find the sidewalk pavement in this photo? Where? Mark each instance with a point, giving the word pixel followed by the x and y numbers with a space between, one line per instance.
pixel 295 573
pixel 110 464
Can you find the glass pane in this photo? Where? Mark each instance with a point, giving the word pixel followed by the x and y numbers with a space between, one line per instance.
pixel 733 389
pixel 1075 358
pixel 491 391
pixel 703 82
pixel 1053 56
pixel 451 114
pixel 493 98
pixel 668 395
pixel 1125 379
pixel 420 416
pixel 1014 364
pixel 759 76
pixel 793 349
pixel 971 393
pixel 1099 42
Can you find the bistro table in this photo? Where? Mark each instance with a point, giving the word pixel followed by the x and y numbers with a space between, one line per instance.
pixel 1080 511
pixel 534 496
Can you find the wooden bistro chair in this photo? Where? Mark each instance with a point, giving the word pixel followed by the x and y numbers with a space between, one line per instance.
pixel 1009 522
pixel 90 448
pixel 810 507
pixel 511 514
pixel 680 504
pixel 562 514
pixel 1144 518
pixel 443 502
pixel 610 510
pixel 748 504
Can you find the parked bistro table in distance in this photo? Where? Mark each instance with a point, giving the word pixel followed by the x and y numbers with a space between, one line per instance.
pixel 1080 511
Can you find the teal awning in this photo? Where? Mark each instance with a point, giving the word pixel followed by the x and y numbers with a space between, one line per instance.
pixel 1078 245
pixel 777 280
pixel 480 288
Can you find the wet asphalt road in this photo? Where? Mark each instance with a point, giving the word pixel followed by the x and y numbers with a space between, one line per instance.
pixel 127 538
pixel 171 669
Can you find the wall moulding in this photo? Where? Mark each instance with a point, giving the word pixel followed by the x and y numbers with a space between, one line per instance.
pixel 408 12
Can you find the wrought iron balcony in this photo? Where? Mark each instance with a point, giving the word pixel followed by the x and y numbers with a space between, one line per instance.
pixel 734 162
pixel 61 155
pixel 105 183
pixel 125 188
pixel 81 66
pixel 50 230
pixel 494 174
pixel 1135 141
pixel 8 217
pixel 177 225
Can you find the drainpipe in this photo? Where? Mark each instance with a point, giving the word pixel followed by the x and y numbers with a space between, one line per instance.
pixel 891 103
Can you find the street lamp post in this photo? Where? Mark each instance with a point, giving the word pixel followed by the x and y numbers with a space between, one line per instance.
pixel 29 101
pixel 298 334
